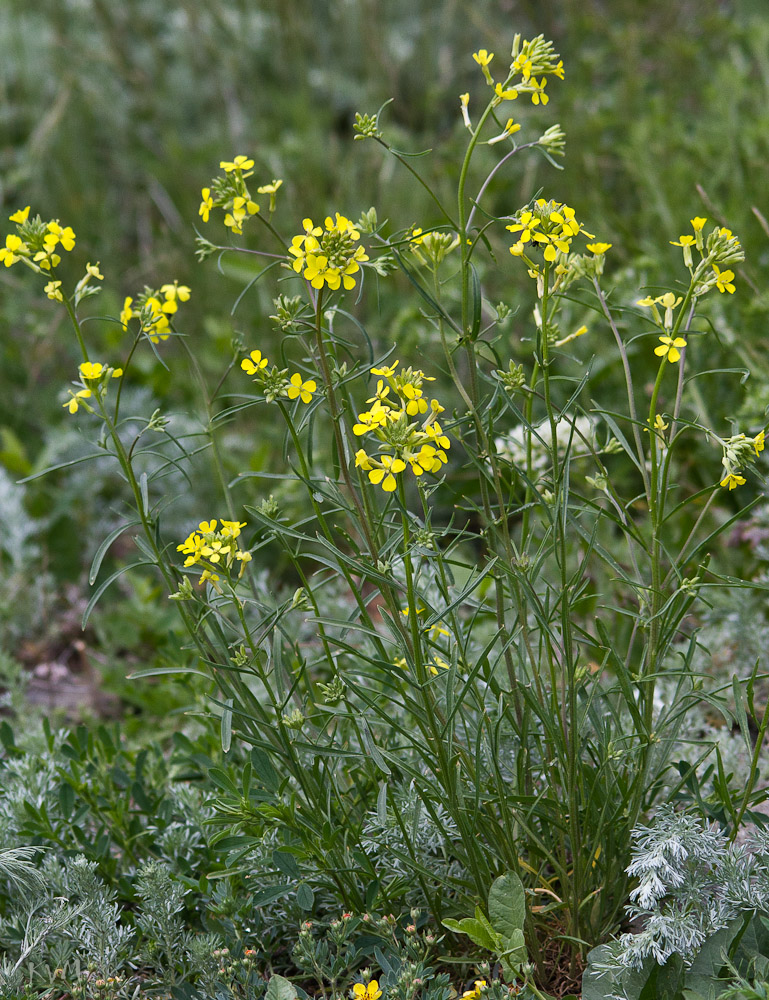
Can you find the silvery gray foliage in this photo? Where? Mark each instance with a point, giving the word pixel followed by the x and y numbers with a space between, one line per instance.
pixel 692 883
pixel 161 899
pixel 97 929
pixel 428 838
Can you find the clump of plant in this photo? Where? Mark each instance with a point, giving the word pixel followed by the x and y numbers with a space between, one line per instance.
pixel 495 568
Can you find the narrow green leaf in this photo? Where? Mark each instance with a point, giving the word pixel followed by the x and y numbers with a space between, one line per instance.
pixel 226 727
pixel 102 550
pixel 110 579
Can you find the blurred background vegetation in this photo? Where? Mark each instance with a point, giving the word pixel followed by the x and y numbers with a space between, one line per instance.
pixel 113 116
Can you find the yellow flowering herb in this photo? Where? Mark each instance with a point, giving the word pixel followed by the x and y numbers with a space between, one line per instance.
pixel 598 248
pixel 20 217
pixel 53 291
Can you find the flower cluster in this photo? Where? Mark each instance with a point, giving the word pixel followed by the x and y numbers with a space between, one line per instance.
pixel 531 62
pixel 549 226
pixel 93 382
pixel 739 451
pixel 36 242
pixel 405 442
pixel 276 384
pixel 213 548
pixel 230 193
pixel 154 309
pixel 328 257
pixel 721 247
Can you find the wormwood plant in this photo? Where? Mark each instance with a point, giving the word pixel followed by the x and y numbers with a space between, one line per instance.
pixel 493 577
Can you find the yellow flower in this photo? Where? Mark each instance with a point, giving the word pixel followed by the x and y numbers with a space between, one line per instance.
pixel 684 241
pixel 206 204
pixel 509 129
pixel 127 313
pixel 386 475
pixel 758 442
pixel 669 348
pixel 370 992
pixel 698 223
pixel 539 96
pixel 57 235
pixel 52 290
pixel 301 389
pixel 732 480
pixel 254 363
pixel 93 271
pixel 389 370
pixel 240 208
pixel 21 216
pixel 505 95
pixel 362 461
pixel 93 370
pixel 239 163
pixel 724 280
pixel 73 403
pixel 482 57
pixel 175 291
pixel 598 248
pixel 9 254
pixel 269 188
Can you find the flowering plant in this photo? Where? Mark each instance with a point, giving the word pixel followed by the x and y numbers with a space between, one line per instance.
pixel 491 580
